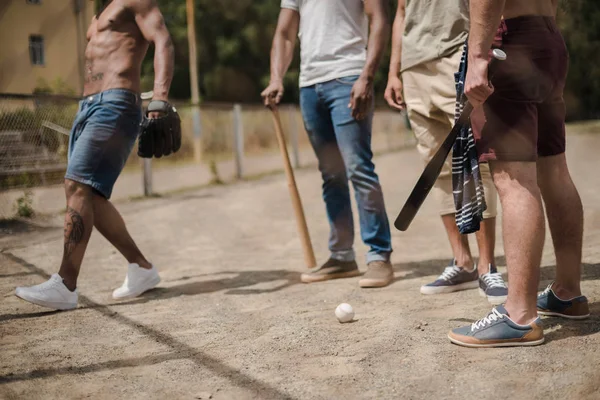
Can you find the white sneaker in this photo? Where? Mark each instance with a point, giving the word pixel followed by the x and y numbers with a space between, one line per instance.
pixel 137 281
pixel 52 294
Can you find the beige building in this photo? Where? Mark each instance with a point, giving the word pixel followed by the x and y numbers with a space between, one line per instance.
pixel 42 42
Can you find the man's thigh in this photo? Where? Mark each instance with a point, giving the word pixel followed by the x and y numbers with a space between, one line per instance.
pixel 353 136
pixel 101 146
pixel 430 124
pixel 320 131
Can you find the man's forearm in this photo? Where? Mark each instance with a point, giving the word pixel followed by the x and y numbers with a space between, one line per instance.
pixel 164 63
pixel 396 56
pixel 282 53
pixel 485 19
pixel 378 38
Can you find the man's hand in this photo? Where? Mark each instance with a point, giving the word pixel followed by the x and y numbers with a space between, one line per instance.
pixel 393 93
pixel 477 85
pixel 361 97
pixel 157 114
pixel 273 93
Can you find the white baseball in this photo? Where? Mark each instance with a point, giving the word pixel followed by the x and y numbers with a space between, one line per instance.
pixel 344 312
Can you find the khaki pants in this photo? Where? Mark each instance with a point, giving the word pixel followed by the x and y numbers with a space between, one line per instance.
pixel 430 96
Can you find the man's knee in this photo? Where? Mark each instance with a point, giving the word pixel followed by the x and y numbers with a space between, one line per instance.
pixel 552 171
pixel 511 177
pixel 361 171
pixel 76 189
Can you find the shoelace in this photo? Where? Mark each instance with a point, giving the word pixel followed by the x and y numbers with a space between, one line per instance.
pixel 450 272
pixel 546 291
pixel 494 280
pixel 492 317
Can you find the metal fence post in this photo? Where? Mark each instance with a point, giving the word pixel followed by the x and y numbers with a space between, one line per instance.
pixel 197 129
pixel 147 176
pixel 238 140
pixel 294 137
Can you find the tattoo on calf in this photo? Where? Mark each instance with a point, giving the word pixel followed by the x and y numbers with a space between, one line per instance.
pixel 74 230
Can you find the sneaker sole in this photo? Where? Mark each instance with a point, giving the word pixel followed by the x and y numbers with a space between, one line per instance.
pixel 307 278
pixel 147 286
pixel 374 283
pixel 557 314
pixel 48 304
pixel 499 344
pixel 493 300
pixel 449 289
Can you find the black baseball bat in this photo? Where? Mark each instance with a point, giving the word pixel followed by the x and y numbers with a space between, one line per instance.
pixel 435 165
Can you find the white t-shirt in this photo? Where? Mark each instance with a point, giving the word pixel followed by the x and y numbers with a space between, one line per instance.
pixel 333 38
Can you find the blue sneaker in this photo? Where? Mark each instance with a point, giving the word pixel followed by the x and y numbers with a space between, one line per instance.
pixel 498 330
pixel 548 303
pixel 453 279
pixel 492 286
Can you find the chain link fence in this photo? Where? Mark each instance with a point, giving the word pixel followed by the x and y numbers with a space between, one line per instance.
pixel 221 142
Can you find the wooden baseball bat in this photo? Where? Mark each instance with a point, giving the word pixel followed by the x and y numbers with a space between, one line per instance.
pixel 309 255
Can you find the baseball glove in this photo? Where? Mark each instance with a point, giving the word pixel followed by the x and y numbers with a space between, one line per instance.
pixel 160 136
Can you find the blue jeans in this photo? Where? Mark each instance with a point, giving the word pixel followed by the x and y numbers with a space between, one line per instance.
pixel 343 148
pixel 104 132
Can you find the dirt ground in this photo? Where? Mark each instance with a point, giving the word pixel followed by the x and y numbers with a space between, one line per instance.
pixel 231 320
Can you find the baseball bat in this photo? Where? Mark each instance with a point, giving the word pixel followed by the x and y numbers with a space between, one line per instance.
pixel 309 255
pixel 435 165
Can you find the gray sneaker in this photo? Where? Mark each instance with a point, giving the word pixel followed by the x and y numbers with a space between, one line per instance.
pixel 492 286
pixel 379 274
pixel 498 330
pixel 453 279
pixel 332 269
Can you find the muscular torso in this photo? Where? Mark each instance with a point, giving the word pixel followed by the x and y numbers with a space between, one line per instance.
pixel 517 8
pixel 115 51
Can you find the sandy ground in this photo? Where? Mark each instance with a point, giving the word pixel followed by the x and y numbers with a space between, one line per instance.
pixel 231 320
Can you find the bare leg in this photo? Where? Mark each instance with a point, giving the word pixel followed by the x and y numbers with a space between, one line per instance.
pixel 565 217
pixel 79 222
pixel 486 241
pixel 523 232
pixel 110 224
pixel 459 243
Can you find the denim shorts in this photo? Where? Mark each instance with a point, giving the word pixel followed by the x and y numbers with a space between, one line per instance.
pixel 103 135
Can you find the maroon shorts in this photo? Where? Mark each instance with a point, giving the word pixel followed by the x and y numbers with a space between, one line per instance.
pixel 525 117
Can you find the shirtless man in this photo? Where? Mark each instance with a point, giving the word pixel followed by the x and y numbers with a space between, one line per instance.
pixel 103 134
pixel 519 127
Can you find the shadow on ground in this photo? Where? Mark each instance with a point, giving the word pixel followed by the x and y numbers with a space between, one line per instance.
pixel 420 269
pixel 176 350
pixel 9 227
pixel 240 284
pixel 561 328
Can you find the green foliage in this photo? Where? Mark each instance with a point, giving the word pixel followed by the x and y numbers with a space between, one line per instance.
pixel 579 21
pixel 57 86
pixel 24 205
pixel 234 39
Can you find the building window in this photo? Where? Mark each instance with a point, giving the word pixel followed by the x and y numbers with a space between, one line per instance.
pixel 36 49
pixel 34 1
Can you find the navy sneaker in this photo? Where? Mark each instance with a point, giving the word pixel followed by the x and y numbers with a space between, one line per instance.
pixel 498 330
pixel 453 279
pixel 548 303
pixel 492 286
